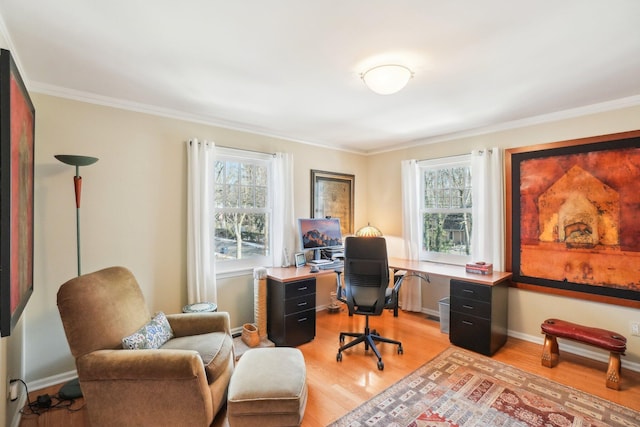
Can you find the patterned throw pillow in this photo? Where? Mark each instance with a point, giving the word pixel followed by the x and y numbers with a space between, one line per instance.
pixel 152 335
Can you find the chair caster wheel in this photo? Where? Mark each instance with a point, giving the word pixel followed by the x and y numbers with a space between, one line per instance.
pixel 341 339
pixel 339 357
pixel 400 350
pixel 380 365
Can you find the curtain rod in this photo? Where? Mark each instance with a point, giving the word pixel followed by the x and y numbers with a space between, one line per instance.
pixel 236 148
pixel 244 149
pixel 490 150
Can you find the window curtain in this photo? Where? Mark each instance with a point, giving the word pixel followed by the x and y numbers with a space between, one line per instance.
pixel 488 207
pixel 410 297
pixel 283 244
pixel 201 274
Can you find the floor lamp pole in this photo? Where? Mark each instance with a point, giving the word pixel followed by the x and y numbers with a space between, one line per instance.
pixel 72 390
pixel 77 185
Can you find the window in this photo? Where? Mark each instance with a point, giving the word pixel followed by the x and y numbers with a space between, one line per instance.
pixel 445 209
pixel 242 203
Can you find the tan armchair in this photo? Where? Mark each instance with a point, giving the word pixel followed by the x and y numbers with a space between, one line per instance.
pixel 184 382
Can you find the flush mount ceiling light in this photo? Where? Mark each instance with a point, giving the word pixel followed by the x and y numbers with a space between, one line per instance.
pixel 387 79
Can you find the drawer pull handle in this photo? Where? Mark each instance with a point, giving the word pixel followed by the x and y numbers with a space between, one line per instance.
pixel 466 322
pixel 468 307
pixel 302 319
pixel 469 291
pixel 304 288
pixel 301 304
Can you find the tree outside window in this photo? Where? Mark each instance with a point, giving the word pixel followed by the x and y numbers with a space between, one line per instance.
pixel 446 210
pixel 242 208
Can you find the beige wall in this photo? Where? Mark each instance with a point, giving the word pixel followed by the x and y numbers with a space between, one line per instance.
pixel 526 309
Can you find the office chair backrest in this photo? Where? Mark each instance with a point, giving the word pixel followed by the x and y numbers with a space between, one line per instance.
pixel 366 274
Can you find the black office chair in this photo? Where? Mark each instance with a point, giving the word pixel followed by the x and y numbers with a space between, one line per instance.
pixel 391 296
pixel 366 276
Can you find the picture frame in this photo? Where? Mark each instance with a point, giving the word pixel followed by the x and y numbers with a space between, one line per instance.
pixel 300 259
pixel 332 195
pixel 573 218
pixel 17 132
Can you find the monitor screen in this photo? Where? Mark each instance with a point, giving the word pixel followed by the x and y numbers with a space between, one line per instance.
pixel 318 233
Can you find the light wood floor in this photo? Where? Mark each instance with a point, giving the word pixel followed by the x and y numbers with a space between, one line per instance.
pixel 336 388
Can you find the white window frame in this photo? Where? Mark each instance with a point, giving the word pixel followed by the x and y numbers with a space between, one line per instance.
pixel 440 163
pixel 235 265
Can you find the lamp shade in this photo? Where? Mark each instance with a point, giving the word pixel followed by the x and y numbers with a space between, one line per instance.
pixel 387 79
pixel 368 231
pixel 74 160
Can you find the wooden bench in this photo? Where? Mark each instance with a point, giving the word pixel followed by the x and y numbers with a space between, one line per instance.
pixel 615 343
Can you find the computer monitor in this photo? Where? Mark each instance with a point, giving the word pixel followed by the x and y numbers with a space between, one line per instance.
pixel 319 233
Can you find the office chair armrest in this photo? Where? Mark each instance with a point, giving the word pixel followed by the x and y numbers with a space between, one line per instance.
pixel 186 324
pixel 398 284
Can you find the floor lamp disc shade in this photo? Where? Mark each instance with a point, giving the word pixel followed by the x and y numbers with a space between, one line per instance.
pixel 73 160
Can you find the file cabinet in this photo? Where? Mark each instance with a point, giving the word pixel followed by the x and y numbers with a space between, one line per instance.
pixel 478 315
pixel 291 311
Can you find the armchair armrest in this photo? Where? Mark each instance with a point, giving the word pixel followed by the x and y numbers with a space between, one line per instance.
pixel 185 324
pixel 146 387
pixel 141 365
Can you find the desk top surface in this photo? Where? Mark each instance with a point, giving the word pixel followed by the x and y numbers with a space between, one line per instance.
pixel 289 274
pixel 448 270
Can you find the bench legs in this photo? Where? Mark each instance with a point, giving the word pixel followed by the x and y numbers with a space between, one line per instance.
pixel 550 351
pixel 613 371
pixel 550 355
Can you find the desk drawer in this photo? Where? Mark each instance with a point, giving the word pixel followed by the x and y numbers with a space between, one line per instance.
pixel 305 302
pixel 470 332
pixel 471 307
pixel 300 327
pixel 299 288
pixel 469 290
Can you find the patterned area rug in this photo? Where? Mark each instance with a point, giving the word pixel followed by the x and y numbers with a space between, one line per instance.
pixel 461 388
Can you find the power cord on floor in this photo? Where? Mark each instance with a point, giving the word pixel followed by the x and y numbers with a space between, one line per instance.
pixel 45 403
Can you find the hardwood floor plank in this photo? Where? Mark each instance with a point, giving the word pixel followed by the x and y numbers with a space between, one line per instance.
pixel 336 388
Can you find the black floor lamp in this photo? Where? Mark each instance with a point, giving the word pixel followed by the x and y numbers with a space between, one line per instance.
pixel 71 389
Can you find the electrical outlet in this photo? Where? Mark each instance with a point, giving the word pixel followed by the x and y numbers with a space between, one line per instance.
pixel 635 329
pixel 13 390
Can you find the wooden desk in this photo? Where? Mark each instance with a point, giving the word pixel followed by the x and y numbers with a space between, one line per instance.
pixel 289 274
pixel 478 304
pixel 452 271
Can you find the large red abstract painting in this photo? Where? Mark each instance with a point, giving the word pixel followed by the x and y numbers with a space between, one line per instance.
pixel 17 125
pixel 575 216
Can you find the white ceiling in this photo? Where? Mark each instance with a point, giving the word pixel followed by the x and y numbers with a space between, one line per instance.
pixel 290 68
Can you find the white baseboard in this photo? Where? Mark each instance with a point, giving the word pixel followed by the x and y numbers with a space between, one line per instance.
pixel 52 380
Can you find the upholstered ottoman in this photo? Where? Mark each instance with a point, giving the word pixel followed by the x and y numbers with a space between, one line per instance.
pixel 268 388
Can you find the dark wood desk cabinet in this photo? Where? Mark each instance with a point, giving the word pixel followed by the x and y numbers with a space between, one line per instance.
pixel 291 311
pixel 478 315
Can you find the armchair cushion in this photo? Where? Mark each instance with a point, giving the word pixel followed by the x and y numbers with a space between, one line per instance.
pixel 215 350
pixel 150 336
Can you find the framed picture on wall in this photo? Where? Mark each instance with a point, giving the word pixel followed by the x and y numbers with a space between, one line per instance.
pixel 332 195
pixel 574 212
pixel 17 126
